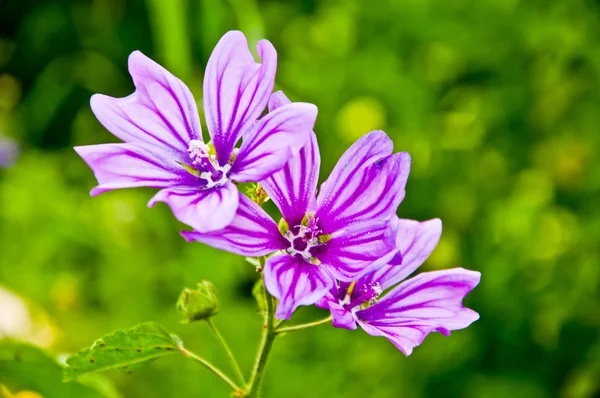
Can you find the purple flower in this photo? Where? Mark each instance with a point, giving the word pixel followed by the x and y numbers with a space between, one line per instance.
pixel 428 302
pixel 9 151
pixel 345 231
pixel 163 145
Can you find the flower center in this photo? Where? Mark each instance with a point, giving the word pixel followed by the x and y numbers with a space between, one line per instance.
pixel 302 239
pixel 206 166
pixel 355 299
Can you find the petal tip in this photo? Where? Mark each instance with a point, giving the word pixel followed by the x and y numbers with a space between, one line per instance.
pixel 266 48
pixel 98 102
pixel 96 191
pixel 188 236
pixel 136 58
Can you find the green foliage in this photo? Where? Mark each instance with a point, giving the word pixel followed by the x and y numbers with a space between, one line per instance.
pixel 24 367
pixel 198 304
pixel 125 350
pixel 496 101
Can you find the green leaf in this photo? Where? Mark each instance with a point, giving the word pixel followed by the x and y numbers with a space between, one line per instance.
pixel 24 367
pixel 126 350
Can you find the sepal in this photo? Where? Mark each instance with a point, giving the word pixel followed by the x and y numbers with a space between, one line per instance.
pixel 198 304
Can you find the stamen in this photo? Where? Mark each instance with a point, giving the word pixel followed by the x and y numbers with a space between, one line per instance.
pixel 365 297
pixel 204 160
pixel 198 151
pixel 302 238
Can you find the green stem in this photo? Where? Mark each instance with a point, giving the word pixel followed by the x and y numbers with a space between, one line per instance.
pixel 234 362
pixel 268 338
pixel 278 324
pixel 303 326
pixel 212 368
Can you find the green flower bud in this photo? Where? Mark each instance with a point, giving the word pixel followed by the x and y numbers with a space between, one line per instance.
pixel 198 304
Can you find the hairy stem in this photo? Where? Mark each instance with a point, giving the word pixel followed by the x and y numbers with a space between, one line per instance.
pixel 268 338
pixel 303 326
pixel 234 362
pixel 212 368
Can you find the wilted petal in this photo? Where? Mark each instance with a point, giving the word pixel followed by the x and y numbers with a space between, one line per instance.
pixel 358 248
pixel 129 165
pixel 251 233
pixel 416 240
pixel 236 89
pixel 295 282
pixel 431 301
pixel 366 184
pixel 273 140
pixel 204 210
pixel 161 112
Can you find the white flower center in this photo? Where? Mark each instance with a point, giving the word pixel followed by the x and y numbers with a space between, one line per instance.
pixel 210 170
pixel 198 150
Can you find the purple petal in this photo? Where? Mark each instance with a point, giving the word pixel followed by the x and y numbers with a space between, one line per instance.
pixel 295 282
pixel 161 112
pixel 204 210
pixel 404 338
pixel 342 318
pixel 273 140
pixel 236 89
pixel 366 184
pixel 357 249
pixel 294 188
pixel 416 240
pixel 431 301
pixel 129 165
pixel 251 233
pixel 277 99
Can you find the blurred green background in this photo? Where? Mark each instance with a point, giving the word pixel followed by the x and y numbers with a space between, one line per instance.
pixel 497 101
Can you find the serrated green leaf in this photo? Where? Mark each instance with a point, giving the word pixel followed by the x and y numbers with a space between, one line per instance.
pixel 24 367
pixel 126 350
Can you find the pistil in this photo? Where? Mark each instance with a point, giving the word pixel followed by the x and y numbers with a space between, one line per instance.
pixel 204 160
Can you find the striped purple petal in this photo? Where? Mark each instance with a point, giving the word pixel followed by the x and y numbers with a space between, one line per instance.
pixel 429 302
pixel 294 188
pixel 366 184
pixel 415 242
pixel 273 140
pixel 251 232
pixel 342 318
pixel 294 282
pixel 204 210
pixel 236 89
pixel 358 248
pixel 161 112
pixel 130 165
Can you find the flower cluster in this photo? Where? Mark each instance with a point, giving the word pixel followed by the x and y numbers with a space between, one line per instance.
pixel 343 249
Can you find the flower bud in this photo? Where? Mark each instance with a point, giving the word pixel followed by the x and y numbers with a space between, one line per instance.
pixel 198 304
